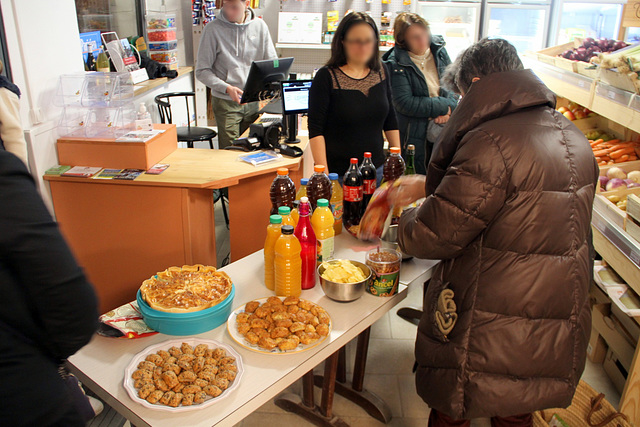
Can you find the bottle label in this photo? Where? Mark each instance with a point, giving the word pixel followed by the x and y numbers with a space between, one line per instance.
pixel 337 211
pixel 352 194
pixel 325 249
pixel 369 186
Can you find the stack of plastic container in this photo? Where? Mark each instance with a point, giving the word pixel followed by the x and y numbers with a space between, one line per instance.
pixel 96 105
pixel 163 39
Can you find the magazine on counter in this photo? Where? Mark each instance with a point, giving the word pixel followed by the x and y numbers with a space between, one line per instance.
pixel 129 174
pixel 82 171
pixel 107 174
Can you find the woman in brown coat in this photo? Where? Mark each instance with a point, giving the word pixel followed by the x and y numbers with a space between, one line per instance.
pixel 509 192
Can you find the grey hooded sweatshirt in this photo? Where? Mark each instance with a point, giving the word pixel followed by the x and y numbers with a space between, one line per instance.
pixel 227 50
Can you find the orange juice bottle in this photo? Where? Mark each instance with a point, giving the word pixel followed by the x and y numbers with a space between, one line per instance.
pixel 288 264
pixel 336 203
pixel 285 213
pixel 273 232
pixel 322 223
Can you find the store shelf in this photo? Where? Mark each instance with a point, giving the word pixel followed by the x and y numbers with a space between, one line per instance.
pixel 315 46
pixel 575 87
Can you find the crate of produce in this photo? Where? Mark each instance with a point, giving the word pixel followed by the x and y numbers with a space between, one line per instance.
pixel 615 151
pixel 168 45
pixel 587 69
pixel 550 56
pixel 621 80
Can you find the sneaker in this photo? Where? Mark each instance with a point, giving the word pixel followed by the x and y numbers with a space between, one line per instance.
pixel 97 406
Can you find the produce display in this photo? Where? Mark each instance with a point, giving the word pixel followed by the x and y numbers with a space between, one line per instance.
pixel 613 151
pixel 575 112
pixel 342 271
pixel 185 375
pixel 617 179
pixel 276 325
pixel 186 289
pixel 624 60
pixel 591 49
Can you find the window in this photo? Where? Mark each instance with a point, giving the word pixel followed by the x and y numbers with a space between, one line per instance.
pixel 125 17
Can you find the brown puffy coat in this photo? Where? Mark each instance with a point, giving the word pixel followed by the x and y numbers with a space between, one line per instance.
pixel 510 189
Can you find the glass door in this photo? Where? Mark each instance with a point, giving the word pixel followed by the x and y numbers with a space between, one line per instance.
pixel 585 19
pixel 457 22
pixel 523 25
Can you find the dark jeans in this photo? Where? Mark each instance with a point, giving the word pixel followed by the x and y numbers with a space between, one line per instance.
pixel 438 419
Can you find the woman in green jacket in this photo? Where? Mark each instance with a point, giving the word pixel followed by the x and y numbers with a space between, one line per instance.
pixel 417 62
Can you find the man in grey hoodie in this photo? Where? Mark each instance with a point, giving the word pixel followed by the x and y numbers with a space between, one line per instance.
pixel 229 44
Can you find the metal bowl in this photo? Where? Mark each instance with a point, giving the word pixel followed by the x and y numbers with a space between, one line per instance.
pixel 389 240
pixel 345 292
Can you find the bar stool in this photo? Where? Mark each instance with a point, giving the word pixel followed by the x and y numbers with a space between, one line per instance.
pixel 188 134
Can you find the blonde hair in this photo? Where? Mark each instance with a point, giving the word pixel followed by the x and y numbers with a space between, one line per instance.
pixel 402 24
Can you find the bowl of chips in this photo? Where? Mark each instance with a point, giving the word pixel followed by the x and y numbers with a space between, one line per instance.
pixel 343 280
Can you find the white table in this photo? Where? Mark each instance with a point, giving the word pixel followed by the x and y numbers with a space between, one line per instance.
pixel 101 364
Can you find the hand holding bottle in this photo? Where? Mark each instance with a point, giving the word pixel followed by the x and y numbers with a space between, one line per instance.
pixel 407 189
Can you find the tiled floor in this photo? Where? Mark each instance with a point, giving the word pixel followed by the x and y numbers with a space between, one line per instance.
pixel 389 375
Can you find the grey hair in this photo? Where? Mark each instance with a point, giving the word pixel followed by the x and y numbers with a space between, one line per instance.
pixel 448 79
pixel 481 59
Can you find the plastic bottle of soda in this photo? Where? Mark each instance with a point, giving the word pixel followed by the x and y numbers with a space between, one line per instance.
pixel 322 223
pixel 410 168
pixel 287 264
pixel 282 192
pixel 352 189
pixel 393 165
pixel 369 180
pixel 307 238
pixel 336 203
pixel 319 186
pixel 273 232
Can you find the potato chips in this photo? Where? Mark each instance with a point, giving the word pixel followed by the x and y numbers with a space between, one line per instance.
pixel 342 271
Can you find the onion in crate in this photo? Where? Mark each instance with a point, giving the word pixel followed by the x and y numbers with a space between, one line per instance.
pixel 602 180
pixel 615 183
pixel 634 176
pixel 616 172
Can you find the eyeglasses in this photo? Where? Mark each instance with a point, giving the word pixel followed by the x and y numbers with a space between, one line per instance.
pixel 361 43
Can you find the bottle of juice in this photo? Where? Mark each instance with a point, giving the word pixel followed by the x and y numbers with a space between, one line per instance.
pixel 393 165
pixel 336 203
pixel 322 223
pixel 307 239
pixel 285 213
pixel 369 180
pixel 319 186
pixel 352 188
pixel 302 191
pixel 273 232
pixel 410 168
pixel 282 192
pixel 288 264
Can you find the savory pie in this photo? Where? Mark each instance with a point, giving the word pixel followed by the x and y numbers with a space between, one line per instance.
pixel 186 289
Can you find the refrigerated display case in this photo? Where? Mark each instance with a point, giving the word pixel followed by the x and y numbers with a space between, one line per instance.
pixel 584 18
pixel 525 25
pixel 457 22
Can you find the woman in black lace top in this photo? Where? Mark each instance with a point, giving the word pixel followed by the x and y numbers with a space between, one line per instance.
pixel 350 100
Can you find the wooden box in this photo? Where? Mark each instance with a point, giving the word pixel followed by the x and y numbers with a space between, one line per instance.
pixel 615 371
pixel 586 69
pixel 107 153
pixel 597 349
pixel 613 333
pixel 618 80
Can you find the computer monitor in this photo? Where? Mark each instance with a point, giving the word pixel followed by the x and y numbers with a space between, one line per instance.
pixel 264 78
pixel 295 96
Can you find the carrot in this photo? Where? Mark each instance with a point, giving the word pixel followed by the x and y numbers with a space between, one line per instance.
pixel 610 162
pixel 601 153
pixel 623 158
pixel 622 151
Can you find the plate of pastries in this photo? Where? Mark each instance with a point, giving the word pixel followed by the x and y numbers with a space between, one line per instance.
pixel 183 374
pixel 279 325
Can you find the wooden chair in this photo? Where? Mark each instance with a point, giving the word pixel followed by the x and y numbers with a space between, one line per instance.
pixel 188 134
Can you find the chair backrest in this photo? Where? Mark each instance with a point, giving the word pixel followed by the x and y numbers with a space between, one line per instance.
pixel 163 101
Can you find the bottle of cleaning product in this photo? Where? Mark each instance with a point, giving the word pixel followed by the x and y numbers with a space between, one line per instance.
pixel 143 121
pixel 322 222
pixel 273 233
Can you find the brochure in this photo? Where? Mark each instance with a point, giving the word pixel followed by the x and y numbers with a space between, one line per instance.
pixel 82 171
pixel 129 174
pixel 107 174
pixel 260 157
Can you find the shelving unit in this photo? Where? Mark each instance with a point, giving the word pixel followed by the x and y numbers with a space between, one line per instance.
pixel 610 240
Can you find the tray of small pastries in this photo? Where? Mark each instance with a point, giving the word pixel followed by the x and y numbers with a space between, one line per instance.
pixel 183 374
pixel 276 325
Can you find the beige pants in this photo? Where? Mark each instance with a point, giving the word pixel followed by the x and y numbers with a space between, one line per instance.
pixel 232 119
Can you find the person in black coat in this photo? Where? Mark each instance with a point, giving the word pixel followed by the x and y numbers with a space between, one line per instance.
pixel 48 309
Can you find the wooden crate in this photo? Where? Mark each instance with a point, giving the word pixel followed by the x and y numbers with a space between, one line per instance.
pixel 618 80
pixel 550 56
pixel 597 348
pixel 615 372
pixel 613 333
pixel 586 69
pixel 108 153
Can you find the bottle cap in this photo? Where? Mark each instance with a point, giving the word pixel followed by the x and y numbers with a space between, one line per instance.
pixel 354 161
pixel 283 171
pixel 304 181
pixel 319 168
pixel 284 210
pixel 333 176
pixel 275 219
pixel 411 147
pixel 287 229
pixel 394 150
pixel 322 203
pixel 304 199
pixel 367 155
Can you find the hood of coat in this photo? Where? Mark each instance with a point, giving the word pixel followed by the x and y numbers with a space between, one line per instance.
pixel 401 56
pixel 235 27
pixel 489 98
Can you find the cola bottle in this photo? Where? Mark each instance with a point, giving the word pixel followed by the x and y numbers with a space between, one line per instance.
pixel 369 180
pixel 352 189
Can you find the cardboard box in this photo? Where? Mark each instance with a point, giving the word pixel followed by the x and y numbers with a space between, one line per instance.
pixel 108 153
pixel 615 371
pixel 597 348
pixel 617 340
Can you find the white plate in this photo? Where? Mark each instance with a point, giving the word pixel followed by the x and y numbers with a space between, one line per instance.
pixel 133 366
pixel 232 327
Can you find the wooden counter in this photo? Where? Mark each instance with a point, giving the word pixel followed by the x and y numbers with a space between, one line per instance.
pixel 148 85
pixel 122 231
